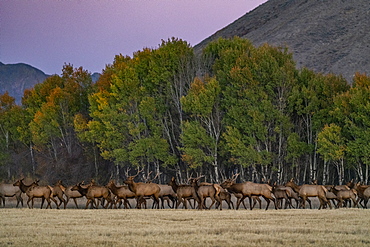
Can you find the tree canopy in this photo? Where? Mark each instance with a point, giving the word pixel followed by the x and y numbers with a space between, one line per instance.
pixel 234 108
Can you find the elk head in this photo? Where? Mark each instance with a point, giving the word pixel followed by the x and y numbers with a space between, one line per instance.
pixel 130 179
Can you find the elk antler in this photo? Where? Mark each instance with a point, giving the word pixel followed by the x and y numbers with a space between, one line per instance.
pixel 157 175
pixel 138 172
pixel 128 169
pixel 235 176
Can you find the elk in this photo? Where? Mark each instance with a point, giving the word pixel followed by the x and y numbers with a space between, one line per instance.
pixel 330 195
pixel 343 195
pixel 143 189
pixel 362 196
pixel 122 193
pixel 58 191
pixel 225 196
pixel 239 196
pixel 183 192
pixel 282 193
pixel 310 190
pixel 366 196
pixel 167 194
pixel 9 190
pixel 92 192
pixel 74 194
pixel 296 189
pixel 36 191
pixel 207 190
pixel 249 189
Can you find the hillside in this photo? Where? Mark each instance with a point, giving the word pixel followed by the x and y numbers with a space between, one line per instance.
pixel 15 78
pixel 328 36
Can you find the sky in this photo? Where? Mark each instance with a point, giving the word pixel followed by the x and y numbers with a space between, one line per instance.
pixel 46 34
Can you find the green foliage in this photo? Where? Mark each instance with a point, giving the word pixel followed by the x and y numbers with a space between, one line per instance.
pixel 331 144
pixel 248 107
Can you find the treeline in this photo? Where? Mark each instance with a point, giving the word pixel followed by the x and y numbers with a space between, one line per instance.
pixel 235 108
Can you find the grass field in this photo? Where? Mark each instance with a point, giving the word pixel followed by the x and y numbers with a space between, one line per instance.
pixel 119 227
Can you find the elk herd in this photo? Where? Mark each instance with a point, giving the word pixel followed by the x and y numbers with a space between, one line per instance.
pixel 191 194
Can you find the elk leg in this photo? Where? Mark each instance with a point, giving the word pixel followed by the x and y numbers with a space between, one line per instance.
pixel 218 199
pixel 42 202
pixel 232 204
pixel 87 203
pixel 3 201
pixel 239 201
pixel 138 202
pixel 19 199
pixel 49 203
pixel 309 202
pixel 55 201
pixel 75 200
pixel 61 199
pixel 213 202
pixel 28 202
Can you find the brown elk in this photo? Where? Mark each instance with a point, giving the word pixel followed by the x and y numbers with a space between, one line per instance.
pixel 310 190
pixel 225 196
pixel 167 194
pixel 143 189
pixel 122 193
pixel 249 189
pixel 36 191
pixel 9 190
pixel 74 194
pixel 366 196
pixel 184 192
pixel 343 195
pixel 296 189
pixel 58 191
pixel 93 192
pixel 330 195
pixel 363 194
pixel 207 190
pixel 281 193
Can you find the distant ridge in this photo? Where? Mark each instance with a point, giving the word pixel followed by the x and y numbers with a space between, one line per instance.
pixel 328 36
pixel 15 78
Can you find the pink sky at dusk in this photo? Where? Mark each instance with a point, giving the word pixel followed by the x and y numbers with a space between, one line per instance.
pixel 89 33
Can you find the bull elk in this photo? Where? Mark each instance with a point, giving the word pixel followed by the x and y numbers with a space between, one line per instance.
pixel 9 190
pixel 143 189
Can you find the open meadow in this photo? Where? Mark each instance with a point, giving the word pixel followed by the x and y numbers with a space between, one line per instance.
pixel 168 227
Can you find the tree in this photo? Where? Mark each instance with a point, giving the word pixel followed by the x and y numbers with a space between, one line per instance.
pixel 331 145
pixel 352 112
pixel 202 132
pixel 310 104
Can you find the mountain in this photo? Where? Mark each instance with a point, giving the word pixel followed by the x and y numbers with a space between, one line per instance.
pixel 327 36
pixel 15 78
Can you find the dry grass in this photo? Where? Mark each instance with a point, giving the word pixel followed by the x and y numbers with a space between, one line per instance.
pixel 72 227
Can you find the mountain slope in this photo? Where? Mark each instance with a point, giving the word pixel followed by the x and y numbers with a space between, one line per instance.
pixel 15 78
pixel 328 36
